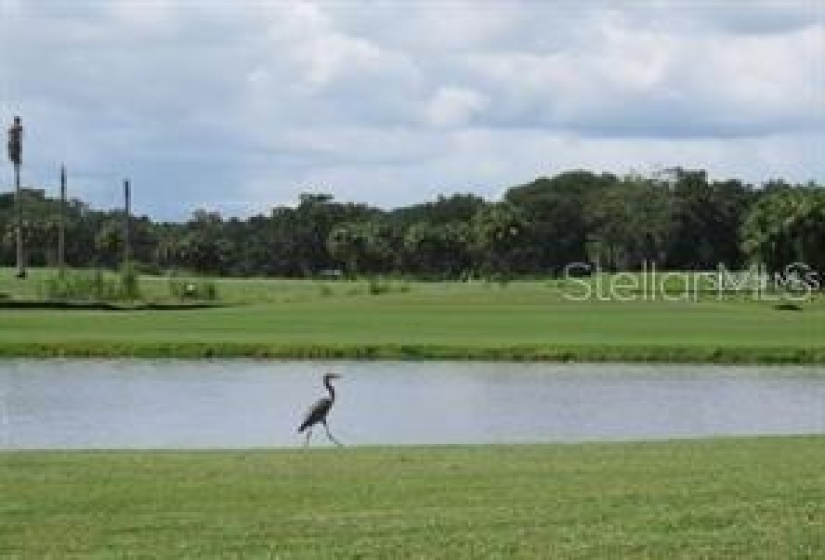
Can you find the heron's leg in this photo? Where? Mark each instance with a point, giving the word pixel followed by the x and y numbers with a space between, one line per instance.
pixel 330 436
pixel 309 434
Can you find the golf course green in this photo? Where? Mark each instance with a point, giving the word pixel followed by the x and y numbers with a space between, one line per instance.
pixel 522 320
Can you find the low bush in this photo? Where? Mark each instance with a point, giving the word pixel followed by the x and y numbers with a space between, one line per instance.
pixel 183 289
pixel 91 285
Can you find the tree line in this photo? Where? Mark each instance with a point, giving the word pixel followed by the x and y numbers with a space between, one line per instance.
pixel 678 219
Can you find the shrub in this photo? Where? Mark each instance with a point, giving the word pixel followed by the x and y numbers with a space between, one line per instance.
pixel 184 289
pixel 129 284
pixel 377 286
pixel 86 285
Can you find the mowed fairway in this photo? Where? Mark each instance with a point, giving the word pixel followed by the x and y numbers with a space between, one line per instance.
pixel 521 320
pixel 738 498
pixel 524 320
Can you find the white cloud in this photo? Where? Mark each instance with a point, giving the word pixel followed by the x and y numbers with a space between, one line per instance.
pixel 304 35
pixel 454 106
pixel 243 105
pixel 653 84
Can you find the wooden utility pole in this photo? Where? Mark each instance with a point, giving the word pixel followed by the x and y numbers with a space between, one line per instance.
pixel 61 232
pixel 18 205
pixel 127 207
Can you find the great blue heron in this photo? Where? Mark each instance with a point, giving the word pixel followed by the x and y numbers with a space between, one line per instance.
pixel 318 412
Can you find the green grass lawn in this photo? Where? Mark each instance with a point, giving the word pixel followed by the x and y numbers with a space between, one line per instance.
pixel 522 320
pixel 736 498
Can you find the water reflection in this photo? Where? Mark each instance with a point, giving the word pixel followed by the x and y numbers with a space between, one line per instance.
pixel 169 404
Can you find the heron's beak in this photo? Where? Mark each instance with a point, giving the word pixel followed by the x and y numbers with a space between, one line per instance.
pixel 334 376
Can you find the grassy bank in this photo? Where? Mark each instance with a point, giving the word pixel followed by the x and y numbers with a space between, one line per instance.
pixel 522 321
pixel 738 498
pixel 549 353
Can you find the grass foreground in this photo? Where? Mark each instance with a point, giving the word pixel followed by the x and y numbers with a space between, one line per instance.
pixel 725 498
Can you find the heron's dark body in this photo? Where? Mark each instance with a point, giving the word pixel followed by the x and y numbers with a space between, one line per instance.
pixel 317 413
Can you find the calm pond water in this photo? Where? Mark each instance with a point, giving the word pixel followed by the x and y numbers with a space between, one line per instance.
pixel 236 404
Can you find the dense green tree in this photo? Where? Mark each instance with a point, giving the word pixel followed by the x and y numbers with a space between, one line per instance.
pixel 444 210
pixel 786 226
pixel 556 213
pixel 362 247
pixel 706 220
pixel 499 231
pixel 304 231
pixel 680 220
pixel 204 246
pixel 632 224
pixel 439 250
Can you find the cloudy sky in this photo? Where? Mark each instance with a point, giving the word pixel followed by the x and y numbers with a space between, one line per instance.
pixel 238 106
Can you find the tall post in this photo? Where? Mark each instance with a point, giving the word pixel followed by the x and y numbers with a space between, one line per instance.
pixel 61 232
pixel 15 147
pixel 127 207
pixel 18 205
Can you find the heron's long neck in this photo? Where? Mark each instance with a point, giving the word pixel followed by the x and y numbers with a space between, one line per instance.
pixel 330 388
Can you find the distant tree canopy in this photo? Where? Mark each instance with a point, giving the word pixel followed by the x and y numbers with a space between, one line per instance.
pixel 678 220
pixel 786 226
